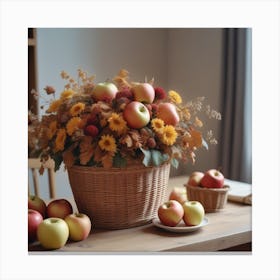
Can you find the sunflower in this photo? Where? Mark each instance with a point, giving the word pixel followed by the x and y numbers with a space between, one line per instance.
pixel 60 139
pixel 169 135
pixel 157 125
pixel 54 106
pixel 73 125
pixel 117 123
pixel 175 97
pixel 108 143
pixel 66 94
pixel 77 108
pixel 52 129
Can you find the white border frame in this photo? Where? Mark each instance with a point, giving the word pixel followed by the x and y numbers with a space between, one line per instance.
pixel 262 16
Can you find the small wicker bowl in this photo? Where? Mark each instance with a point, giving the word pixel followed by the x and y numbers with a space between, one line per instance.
pixel 213 200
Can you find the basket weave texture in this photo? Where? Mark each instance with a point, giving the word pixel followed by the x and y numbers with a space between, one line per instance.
pixel 213 200
pixel 118 198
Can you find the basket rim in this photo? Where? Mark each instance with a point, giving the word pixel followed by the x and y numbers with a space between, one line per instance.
pixel 131 167
pixel 224 189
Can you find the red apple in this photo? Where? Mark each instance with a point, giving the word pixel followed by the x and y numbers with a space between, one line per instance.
pixel 53 233
pixel 212 179
pixel 171 213
pixel 79 226
pixel 193 213
pixel 34 220
pixel 59 208
pixel 136 114
pixel 168 113
pixel 195 178
pixel 38 204
pixel 143 92
pixel 179 194
pixel 105 91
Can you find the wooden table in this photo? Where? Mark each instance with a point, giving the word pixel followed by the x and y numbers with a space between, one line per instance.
pixel 229 229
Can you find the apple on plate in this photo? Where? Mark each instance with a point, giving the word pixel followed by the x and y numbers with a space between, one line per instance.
pixel 104 91
pixel 34 220
pixel 53 233
pixel 168 113
pixel 195 178
pixel 193 213
pixel 59 208
pixel 213 178
pixel 171 213
pixel 38 204
pixel 79 226
pixel 179 194
pixel 136 114
pixel 143 92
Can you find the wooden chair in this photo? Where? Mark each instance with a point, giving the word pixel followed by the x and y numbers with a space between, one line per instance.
pixel 34 164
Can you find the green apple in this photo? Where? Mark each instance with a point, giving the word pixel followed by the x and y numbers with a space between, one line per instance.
pixel 53 233
pixel 193 213
pixel 136 114
pixel 104 91
pixel 79 226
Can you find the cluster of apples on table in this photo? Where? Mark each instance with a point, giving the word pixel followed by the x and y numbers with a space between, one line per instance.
pixel 54 223
pixel 178 208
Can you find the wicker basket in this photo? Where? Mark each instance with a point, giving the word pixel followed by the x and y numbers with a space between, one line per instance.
pixel 119 198
pixel 213 200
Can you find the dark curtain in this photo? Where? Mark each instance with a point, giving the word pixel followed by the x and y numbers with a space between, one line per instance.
pixel 236 146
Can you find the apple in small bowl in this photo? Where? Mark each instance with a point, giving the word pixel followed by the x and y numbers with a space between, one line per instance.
pixel 209 189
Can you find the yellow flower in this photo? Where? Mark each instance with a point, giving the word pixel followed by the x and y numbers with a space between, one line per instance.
pixel 66 94
pixel 117 123
pixel 175 97
pixel 157 125
pixel 169 135
pixel 108 143
pixel 60 140
pixel 77 109
pixel 54 106
pixel 73 125
pixel 52 129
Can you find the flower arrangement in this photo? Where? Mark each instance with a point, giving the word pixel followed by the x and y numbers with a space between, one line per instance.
pixel 115 123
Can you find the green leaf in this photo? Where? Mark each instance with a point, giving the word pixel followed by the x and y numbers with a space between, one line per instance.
pixel 147 157
pixel 158 158
pixel 204 144
pixel 119 161
pixel 57 161
pixel 175 162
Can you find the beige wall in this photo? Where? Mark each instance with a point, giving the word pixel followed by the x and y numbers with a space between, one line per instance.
pixel 186 60
pixel 195 69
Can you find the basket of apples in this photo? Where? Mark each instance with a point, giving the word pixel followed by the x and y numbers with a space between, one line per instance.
pixel 209 189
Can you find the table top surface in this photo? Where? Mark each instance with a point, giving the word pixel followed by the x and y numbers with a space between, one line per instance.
pixel 227 228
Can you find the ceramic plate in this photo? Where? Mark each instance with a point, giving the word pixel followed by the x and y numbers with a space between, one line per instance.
pixel 181 227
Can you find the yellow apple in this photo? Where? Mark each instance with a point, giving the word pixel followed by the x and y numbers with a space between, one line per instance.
pixel 193 213
pixel 53 233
